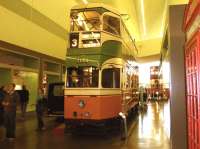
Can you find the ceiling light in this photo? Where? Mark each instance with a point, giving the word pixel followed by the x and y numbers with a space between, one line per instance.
pixel 85 1
pixel 163 19
pixel 143 17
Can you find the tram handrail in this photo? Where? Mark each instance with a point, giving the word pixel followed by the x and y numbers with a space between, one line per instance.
pixel 133 40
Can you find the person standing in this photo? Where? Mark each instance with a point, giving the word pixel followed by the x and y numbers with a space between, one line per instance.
pixel 2 94
pixel 10 101
pixel 40 108
pixel 74 77
pixel 24 99
pixel 145 95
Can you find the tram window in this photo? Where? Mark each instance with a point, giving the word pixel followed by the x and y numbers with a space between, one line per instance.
pixel 82 77
pixel 111 78
pixel 85 21
pixel 111 24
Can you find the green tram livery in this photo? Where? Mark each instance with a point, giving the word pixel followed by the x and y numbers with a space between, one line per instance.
pixel 102 75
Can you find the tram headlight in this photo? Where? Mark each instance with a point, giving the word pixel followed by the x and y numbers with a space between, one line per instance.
pixel 81 104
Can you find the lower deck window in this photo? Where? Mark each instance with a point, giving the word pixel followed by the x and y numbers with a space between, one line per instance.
pixel 111 78
pixel 82 77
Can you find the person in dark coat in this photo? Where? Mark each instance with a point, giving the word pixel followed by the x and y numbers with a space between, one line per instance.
pixel 10 102
pixel 2 94
pixel 145 95
pixel 40 108
pixel 24 99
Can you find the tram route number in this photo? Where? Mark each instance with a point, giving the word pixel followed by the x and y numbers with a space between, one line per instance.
pixel 74 40
pixel 74 43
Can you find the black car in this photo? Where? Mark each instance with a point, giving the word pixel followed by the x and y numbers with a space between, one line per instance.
pixel 55 102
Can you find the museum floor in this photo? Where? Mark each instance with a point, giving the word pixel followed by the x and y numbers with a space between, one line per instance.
pixel 148 131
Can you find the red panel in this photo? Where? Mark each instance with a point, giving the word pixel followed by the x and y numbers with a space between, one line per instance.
pixel 191 12
pixel 192 63
pixel 96 107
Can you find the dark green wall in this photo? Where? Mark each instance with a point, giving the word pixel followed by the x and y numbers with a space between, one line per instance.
pixel 5 76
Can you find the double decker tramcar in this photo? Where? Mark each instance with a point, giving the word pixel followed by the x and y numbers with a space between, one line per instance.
pixel 102 75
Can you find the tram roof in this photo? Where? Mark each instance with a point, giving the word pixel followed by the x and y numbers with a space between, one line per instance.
pixel 96 5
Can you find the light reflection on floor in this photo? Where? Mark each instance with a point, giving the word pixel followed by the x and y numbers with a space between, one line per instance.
pixel 152 128
pixel 166 115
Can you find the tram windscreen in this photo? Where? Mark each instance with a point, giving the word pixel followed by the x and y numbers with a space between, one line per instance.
pixel 85 20
pixel 111 78
pixel 82 77
pixel 111 24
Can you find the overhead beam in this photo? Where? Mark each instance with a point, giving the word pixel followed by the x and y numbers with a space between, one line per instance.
pixel 31 14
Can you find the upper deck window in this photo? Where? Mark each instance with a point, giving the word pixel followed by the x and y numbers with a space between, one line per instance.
pixel 111 24
pixel 85 20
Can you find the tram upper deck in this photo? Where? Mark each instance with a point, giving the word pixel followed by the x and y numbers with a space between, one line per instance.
pixel 96 30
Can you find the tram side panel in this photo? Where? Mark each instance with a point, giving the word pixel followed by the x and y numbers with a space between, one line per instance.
pixel 92 107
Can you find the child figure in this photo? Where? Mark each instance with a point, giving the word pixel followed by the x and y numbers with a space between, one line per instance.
pixel 40 110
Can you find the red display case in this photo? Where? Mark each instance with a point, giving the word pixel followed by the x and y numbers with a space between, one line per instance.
pixel 156 90
pixel 192 65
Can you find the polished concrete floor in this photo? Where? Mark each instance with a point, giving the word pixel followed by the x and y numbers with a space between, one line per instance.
pixel 149 131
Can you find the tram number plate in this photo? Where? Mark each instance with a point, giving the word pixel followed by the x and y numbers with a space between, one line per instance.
pixel 82 60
